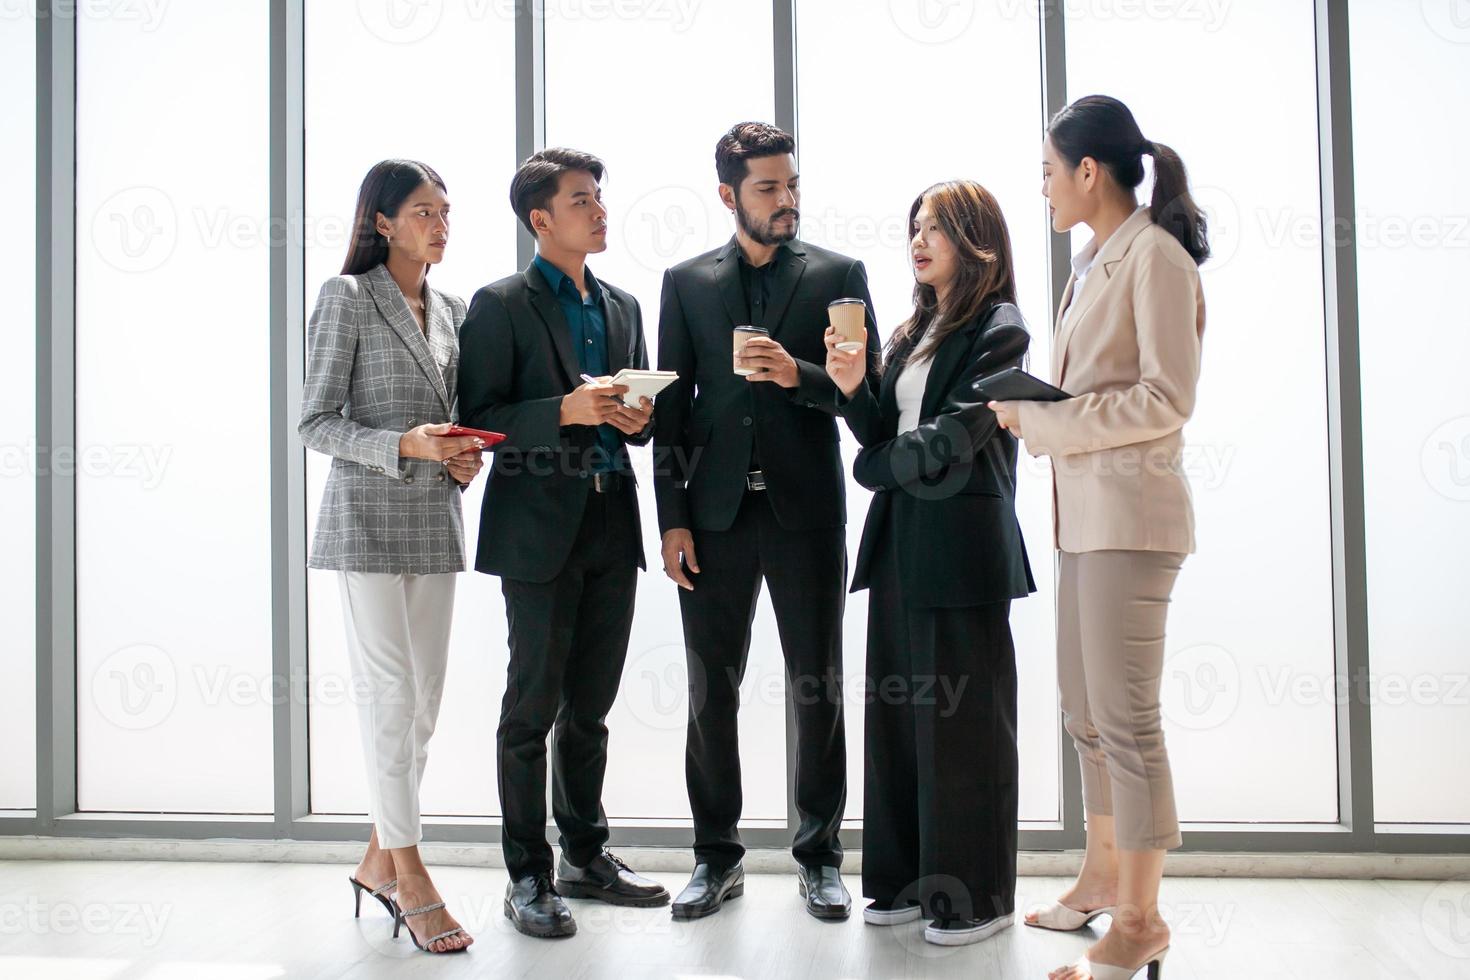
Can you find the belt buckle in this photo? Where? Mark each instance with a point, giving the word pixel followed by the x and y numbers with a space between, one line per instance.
pixel 598 486
pixel 755 480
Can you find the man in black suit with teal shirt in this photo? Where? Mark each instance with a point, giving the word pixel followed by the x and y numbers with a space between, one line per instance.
pixel 750 486
pixel 560 526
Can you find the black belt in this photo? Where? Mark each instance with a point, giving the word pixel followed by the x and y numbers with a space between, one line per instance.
pixel 608 482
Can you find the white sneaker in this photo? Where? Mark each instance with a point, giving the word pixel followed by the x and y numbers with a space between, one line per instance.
pixel 962 935
pixel 875 916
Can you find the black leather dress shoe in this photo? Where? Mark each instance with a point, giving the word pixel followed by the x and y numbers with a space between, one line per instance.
pixel 534 907
pixel 826 896
pixel 607 879
pixel 707 890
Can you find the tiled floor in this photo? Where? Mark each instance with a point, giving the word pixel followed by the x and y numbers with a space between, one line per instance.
pixel 104 920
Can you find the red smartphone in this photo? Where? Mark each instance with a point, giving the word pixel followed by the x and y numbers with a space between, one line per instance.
pixel 491 438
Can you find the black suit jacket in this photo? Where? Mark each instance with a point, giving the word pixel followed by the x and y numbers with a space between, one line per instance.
pixel 708 421
pixel 516 363
pixel 951 483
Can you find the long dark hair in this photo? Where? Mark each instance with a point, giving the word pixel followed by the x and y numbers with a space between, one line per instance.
pixel 386 186
pixel 1103 128
pixel 971 219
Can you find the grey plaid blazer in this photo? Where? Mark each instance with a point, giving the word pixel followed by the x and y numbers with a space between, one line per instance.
pixel 372 375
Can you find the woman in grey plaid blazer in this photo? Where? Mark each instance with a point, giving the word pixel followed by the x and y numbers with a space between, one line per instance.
pixel 380 394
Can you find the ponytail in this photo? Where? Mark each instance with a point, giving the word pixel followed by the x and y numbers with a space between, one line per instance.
pixel 1172 208
pixel 1103 128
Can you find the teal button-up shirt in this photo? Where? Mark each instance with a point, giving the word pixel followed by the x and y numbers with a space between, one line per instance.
pixel 587 320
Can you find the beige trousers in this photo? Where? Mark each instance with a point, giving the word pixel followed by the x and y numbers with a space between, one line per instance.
pixel 1111 608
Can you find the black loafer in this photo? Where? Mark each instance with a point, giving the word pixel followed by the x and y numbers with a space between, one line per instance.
pixel 534 908
pixel 708 889
pixel 607 879
pixel 826 896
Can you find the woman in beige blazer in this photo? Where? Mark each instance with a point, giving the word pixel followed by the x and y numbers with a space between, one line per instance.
pixel 1127 347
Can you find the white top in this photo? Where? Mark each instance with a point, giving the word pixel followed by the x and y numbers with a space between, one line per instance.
pixel 909 390
pixel 1081 266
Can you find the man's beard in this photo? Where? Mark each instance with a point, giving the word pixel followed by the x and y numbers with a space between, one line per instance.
pixel 761 232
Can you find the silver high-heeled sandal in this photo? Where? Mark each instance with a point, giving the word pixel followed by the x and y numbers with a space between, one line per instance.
pixel 400 918
pixel 379 893
pixel 1063 918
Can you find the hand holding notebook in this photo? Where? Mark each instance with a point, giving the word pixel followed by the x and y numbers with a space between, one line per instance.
pixel 640 383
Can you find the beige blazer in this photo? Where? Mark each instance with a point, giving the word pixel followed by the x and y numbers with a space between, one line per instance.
pixel 1130 356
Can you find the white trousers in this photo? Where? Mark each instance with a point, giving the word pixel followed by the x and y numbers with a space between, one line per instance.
pixel 398 646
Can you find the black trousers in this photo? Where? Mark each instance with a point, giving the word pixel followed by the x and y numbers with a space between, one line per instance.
pixel 940 799
pixel 806 572
pixel 568 643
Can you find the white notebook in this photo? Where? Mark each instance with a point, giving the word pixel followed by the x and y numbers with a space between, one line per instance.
pixel 643 384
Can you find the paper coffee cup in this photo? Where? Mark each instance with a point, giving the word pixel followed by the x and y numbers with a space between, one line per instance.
pixel 742 334
pixel 848 317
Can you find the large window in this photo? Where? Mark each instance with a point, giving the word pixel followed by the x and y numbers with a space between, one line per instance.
pixel 432 82
pixel 1249 675
pixel 654 114
pixel 181 589
pixel 1413 247
pixel 868 147
pixel 172 381
pixel 18 457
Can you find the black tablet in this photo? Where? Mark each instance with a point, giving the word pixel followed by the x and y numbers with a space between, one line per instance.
pixel 1013 384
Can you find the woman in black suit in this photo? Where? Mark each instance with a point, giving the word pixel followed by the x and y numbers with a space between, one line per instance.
pixel 943 556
